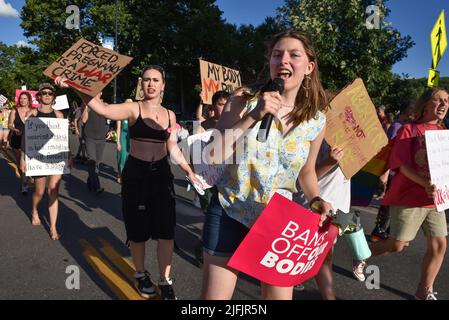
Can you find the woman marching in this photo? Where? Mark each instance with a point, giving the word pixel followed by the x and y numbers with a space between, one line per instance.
pixel 290 153
pixel 46 97
pixel 410 195
pixel 16 125
pixel 148 201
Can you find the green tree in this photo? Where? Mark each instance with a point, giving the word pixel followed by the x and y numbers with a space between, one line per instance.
pixel 18 67
pixel 346 48
pixel 174 34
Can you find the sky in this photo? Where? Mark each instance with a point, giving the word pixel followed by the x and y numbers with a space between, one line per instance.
pixel 411 17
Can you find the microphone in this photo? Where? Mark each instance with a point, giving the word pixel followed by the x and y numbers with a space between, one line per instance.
pixel 277 84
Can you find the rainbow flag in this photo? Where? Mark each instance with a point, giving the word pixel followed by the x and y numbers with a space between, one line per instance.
pixel 365 182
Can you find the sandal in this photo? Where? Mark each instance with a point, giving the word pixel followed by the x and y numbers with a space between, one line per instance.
pixel 35 221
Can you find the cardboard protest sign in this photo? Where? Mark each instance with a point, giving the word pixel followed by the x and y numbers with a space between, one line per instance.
pixel 208 174
pixel 46 146
pixel 61 103
pixel 215 77
pixel 437 145
pixel 139 92
pixel 285 246
pixel 33 94
pixel 352 124
pixel 88 67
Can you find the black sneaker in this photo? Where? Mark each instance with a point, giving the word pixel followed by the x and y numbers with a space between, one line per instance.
pixel 144 285
pixel 166 289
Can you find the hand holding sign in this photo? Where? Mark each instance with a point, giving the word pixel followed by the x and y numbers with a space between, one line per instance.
pixel 285 246
pixel 88 67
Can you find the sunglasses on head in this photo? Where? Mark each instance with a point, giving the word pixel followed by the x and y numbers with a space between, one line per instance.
pixel 47 93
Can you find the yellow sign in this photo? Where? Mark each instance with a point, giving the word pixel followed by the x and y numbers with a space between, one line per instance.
pixel 434 78
pixel 438 40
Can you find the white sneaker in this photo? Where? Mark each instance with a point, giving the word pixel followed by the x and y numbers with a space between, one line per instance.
pixel 429 296
pixel 358 268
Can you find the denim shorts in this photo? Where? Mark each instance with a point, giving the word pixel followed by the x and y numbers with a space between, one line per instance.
pixel 221 234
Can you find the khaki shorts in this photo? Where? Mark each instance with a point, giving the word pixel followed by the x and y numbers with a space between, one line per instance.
pixel 405 222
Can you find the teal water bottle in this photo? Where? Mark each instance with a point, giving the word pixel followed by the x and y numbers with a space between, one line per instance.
pixel 358 244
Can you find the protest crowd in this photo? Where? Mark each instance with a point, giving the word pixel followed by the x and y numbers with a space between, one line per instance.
pixel 294 148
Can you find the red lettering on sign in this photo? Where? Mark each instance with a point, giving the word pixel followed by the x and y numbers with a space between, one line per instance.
pixel 95 73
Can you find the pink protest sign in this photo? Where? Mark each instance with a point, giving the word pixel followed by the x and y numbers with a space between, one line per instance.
pixel 285 246
pixel 33 96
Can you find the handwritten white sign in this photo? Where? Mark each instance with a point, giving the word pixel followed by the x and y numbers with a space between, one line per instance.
pixel 208 174
pixel 61 103
pixel 437 144
pixel 47 146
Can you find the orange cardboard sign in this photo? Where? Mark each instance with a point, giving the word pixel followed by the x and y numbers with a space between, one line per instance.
pixel 215 77
pixel 352 124
pixel 88 67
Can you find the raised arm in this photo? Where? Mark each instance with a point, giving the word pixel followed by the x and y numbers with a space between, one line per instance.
pixel 114 112
pixel 199 112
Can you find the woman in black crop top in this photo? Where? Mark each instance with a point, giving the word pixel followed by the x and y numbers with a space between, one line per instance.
pixel 46 96
pixel 16 125
pixel 148 202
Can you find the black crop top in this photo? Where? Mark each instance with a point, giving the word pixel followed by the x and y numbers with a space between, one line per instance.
pixel 51 114
pixel 140 131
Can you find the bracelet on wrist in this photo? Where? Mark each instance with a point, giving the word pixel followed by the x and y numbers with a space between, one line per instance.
pixel 314 204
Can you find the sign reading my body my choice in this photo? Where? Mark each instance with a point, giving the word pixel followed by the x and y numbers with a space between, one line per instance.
pixel 215 77
pixel 88 67
pixel 47 146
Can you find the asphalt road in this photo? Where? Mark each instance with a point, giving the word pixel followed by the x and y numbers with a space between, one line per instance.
pixel 92 243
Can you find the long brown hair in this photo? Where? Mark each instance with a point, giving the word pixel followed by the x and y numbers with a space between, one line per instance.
pixel 420 105
pixel 311 97
pixel 30 99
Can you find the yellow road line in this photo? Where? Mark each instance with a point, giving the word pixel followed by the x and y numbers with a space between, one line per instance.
pixel 119 286
pixel 123 264
pixel 9 157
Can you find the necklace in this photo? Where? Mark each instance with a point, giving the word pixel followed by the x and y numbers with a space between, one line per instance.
pixel 287 107
pixel 154 107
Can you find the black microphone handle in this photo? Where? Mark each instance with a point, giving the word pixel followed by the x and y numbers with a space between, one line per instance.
pixel 264 128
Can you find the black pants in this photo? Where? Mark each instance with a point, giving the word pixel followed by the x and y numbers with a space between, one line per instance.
pixel 94 149
pixel 148 201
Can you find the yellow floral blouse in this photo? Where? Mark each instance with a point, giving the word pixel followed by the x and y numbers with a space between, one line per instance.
pixel 245 188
